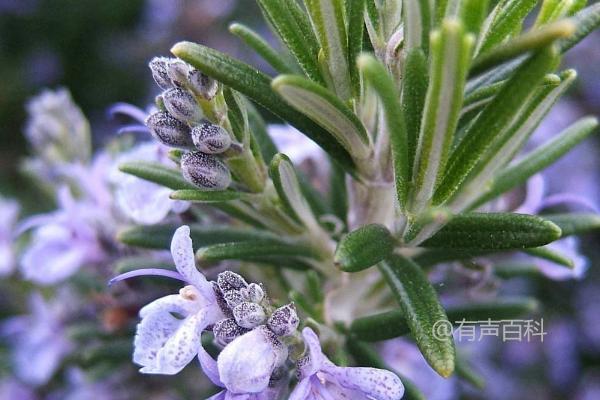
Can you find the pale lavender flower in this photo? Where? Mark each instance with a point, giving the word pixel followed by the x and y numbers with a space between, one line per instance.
pixel 245 367
pixel 63 241
pixel 165 343
pixel 9 212
pixel 57 129
pixel 144 202
pixel 79 386
pixel 321 379
pixel 39 342
pixel 10 388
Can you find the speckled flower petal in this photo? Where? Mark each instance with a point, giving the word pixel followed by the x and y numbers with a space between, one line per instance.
pixel 302 390
pixel 376 384
pixel 183 256
pixel 246 364
pixel 316 358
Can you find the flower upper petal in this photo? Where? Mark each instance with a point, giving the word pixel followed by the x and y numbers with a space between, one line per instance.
pixel 316 358
pixel 183 256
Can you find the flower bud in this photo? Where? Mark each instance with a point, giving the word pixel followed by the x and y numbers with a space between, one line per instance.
pixel 203 85
pixel 158 66
pixel 226 330
pixel 169 131
pixel 211 139
pixel 205 171
pixel 178 71
pixel 231 285
pixel 182 105
pixel 249 315
pixel 284 321
pixel 254 293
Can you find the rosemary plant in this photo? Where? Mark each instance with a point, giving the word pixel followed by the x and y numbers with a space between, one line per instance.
pixel 424 108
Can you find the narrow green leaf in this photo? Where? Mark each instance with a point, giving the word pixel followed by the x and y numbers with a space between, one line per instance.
pixel 497 231
pixel 326 109
pixel 586 21
pixel 530 41
pixel 198 196
pixel 575 223
pixel 384 85
pixel 159 236
pixel 547 253
pixel 516 270
pixel 466 373
pixel 414 90
pixel 493 125
pixel 365 356
pixel 473 13
pixel 290 23
pixel 513 138
pixel 256 85
pixel 420 305
pixel 252 249
pixel 327 17
pixel 392 324
pixel 450 56
pixel 258 128
pixel 508 19
pixel 261 47
pixel 157 173
pixel 356 23
pixel 286 184
pixel 364 247
pixel 539 159
pixel 417 24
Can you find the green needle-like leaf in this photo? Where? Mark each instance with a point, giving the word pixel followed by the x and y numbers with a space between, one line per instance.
pixel 473 13
pixel 157 173
pixel 586 21
pixel 575 223
pixel 256 85
pixel 292 26
pixel 326 109
pixel 288 187
pixel 260 45
pixel 198 196
pixel 507 19
pixel 377 75
pixel 547 253
pixel 450 56
pixel 327 17
pixel 414 90
pixel 494 123
pixel 391 324
pixel 364 247
pixel 539 159
pixel 497 231
pixel 423 312
pixel 417 24
pixel 159 236
pixel 510 141
pixel 530 41
pixel 253 249
pixel 355 15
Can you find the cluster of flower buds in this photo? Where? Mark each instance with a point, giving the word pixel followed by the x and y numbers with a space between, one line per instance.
pixel 247 308
pixel 180 123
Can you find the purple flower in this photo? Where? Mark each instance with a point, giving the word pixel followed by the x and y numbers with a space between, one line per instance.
pixel 321 379
pixel 9 212
pixel 39 341
pixel 168 337
pixel 142 201
pixel 63 241
pixel 246 366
